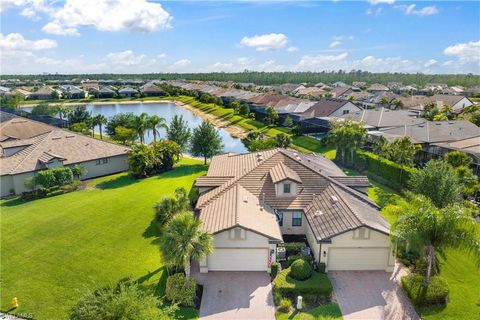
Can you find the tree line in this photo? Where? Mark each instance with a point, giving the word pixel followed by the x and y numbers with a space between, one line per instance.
pixel 271 78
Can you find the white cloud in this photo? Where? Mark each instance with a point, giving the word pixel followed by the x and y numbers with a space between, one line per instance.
pixel 183 63
pixel 292 49
pixel 125 58
pixel 15 41
pixel 410 10
pixel 162 56
pixel 335 43
pixel 465 52
pixel 374 12
pixel 107 15
pixel 430 63
pixel 375 2
pixel 244 61
pixel 265 42
pixel 319 61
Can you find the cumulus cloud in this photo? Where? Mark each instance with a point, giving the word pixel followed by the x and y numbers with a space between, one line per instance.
pixel 125 58
pixel 292 49
pixel 106 15
pixel 374 2
pixel 161 56
pixel 319 61
pixel 411 10
pixel 15 41
pixel 265 42
pixel 244 61
pixel 465 52
pixel 180 64
pixel 430 63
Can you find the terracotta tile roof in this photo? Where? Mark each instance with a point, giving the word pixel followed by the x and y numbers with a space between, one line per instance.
pixel 211 181
pixel 324 107
pixel 257 173
pixel 281 172
pixel 44 142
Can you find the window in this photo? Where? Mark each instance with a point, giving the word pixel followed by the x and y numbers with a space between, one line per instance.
pixel 105 160
pixel 280 218
pixel 296 219
pixel 98 162
pixel 346 111
pixel 287 188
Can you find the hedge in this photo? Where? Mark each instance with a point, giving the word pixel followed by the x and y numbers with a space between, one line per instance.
pixel 177 292
pixel 293 258
pixel 392 174
pixel 300 270
pixel 436 292
pixel 317 284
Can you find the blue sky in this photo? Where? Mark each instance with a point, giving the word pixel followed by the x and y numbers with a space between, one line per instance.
pixel 136 36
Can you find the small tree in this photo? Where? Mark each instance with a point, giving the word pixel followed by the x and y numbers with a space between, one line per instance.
pixel 206 141
pixel 124 135
pixel 438 181
pixel 142 161
pixel 244 109
pixel 126 120
pixel 168 207
pixel 167 152
pixel 46 178
pixel 346 135
pixel 283 140
pixel 30 183
pixel 179 132
pixel 272 116
pixel 100 120
pixel 79 114
pixel 184 240
pixel 261 144
pixel 154 123
pixel 429 229
pixel 43 109
pixel 78 170
pixel 402 151
pixel 458 159
pixel 288 122
pixel 140 125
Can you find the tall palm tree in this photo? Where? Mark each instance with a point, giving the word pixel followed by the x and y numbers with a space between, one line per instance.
pixel 154 123
pixel 62 112
pixel 185 240
pixel 100 120
pixel 429 229
pixel 141 125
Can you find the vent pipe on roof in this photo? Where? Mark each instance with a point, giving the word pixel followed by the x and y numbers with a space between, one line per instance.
pixel 333 199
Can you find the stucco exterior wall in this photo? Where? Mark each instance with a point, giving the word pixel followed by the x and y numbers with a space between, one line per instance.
pixel 312 242
pixel 288 228
pixel 350 107
pixel 7 185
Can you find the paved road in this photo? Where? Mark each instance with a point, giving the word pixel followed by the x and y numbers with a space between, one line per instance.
pixel 371 295
pixel 237 295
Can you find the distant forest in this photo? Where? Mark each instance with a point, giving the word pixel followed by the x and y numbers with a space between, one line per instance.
pixel 271 78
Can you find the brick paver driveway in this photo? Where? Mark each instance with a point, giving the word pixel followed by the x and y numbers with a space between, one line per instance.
pixel 371 295
pixel 237 295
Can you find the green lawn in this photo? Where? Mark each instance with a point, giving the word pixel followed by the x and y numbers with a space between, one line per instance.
pixel 329 311
pixel 55 248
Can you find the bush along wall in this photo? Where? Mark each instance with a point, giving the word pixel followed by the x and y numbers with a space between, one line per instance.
pixel 388 172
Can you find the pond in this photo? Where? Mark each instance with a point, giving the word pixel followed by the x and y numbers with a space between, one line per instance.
pixel 166 111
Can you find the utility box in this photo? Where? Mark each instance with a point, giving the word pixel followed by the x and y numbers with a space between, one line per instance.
pixel 299 302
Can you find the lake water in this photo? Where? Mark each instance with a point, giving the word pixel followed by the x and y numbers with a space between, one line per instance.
pixel 166 111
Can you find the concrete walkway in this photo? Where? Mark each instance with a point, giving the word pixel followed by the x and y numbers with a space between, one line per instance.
pixel 371 295
pixel 237 295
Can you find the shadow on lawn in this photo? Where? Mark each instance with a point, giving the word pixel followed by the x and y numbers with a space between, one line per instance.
pixel 159 286
pixel 183 170
pixel 12 202
pixel 119 182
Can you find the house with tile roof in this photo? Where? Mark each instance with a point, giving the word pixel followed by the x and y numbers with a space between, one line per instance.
pixel 250 202
pixel 28 146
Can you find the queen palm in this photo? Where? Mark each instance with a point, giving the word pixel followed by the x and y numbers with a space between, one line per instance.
pixel 428 229
pixel 154 123
pixel 185 240
pixel 100 120
pixel 141 125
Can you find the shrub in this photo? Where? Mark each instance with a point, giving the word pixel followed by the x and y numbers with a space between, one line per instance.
pixel 293 258
pixel 300 270
pixel 318 285
pixel 285 305
pixel 321 267
pixel 275 269
pixel 177 292
pixel 72 186
pixel 292 247
pixel 436 292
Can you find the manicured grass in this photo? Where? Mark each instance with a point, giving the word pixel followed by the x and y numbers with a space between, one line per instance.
pixel 55 248
pixel 329 311
pixel 317 284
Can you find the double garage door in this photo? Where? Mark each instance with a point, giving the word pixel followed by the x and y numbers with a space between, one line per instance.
pixel 238 260
pixel 358 258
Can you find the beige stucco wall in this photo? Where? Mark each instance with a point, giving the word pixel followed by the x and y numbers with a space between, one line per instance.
pixel 348 106
pixel 293 189
pixel 312 242
pixel 225 240
pixel 287 227
pixel 7 185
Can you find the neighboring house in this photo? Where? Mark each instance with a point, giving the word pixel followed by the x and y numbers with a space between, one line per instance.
pixel 69 91
pixel 151 90
pixel 90 86
pixel 311 91
pixel 341 91
pixel 470 146
pixel 376 119
pixel 4 90
pixel 25 94
pixel 330 107
pixel 106 92
pixel 418 102
pixel 359 84
pixel 28 146
pixel 472 91
pixel 249 202
pixel 127 92
pixel 43 93
pixel 340 84
pixel 377 88
pixel 287 88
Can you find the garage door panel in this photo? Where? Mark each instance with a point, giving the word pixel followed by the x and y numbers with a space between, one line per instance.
pixel 238 260
pixel 358 258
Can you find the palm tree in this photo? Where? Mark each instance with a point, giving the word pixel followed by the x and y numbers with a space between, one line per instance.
pixel 99 121
pixel 141 125
pixel 62 112
pixel 154 123
pixel 429 229
pixel 184 240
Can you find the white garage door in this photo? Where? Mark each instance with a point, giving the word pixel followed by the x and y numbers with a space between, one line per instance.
pixel 238 260
pixel 358 258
